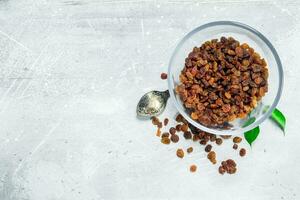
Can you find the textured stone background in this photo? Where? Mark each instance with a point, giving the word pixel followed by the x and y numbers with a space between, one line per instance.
pixel 71 73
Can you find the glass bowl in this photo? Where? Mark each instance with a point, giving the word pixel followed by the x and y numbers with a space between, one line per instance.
pixel 242 33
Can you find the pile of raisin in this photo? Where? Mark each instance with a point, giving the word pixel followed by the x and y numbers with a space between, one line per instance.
pixel 222 80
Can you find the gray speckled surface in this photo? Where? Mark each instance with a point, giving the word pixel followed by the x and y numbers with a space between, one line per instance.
pixel 71 73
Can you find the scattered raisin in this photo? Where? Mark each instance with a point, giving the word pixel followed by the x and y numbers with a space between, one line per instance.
pixel 213 138
pixel 165 140
pixel 235 146
pixel 178 127
pixel 166 121
pixel 208 148
pixel 195 138
pixel 193 168
pixel 184 127
pixel 179 118
pixel 155 121
pixel 159 125
pixel 212 157
pixel 163 76
pixel 242 152
pixel 174 138
pixel 172 130
pixel 187 135
pixel 180 153
pixel 221 170
pixel 158 132
pixel 237 139
pixel 228 166
pixel 165 134
pixel 190 149
pixel 203 142
pixel 219 141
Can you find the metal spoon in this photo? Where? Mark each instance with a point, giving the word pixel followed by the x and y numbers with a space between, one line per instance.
pixel 152 103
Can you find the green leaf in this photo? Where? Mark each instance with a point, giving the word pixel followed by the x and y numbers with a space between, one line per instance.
pixel 251 135
pixel 279 118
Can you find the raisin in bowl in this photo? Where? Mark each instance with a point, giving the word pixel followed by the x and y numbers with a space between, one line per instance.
pixel 267 81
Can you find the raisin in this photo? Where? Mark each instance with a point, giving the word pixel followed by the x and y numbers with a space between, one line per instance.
pixel 242 152
pixel 219 141
pixel 190 149
pixel 159 125
pixel 165 140
pixel 187 135
pixel 203 142
pixel 193 168
pixel 180 153
pixel 163 76
pixel 174 138
pixel 172 130
pixel 184 128
pixel 208 148
pixel 235 146
pixel 219 76
pixel 221 170
pixel 166 121
pixel 178 127
pixel 165 134
pixel 237 139
pixel 155 121
pixel 158 132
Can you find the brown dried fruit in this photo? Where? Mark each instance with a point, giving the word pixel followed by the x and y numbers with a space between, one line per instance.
pixel 190 149
pixel 178 127
pixel 208 148
pixel 179 118
pixel 203 142
pixel 227 95
pixel 235 146
pixel 165 134
pixel 221 81
pixel 242 152
pixel 166 121
pixel 165 140
pixel 172 130
pixel 184 127
pixel 159 125
pixel 194 116
pixel 174 138
pixel 155 121
pixel 221 170
pixel 228 166
pixel 195 137
pixel 163 76
pixel 180 153
pixel 213 138
pixel 158 132
pixel 212 157
pixel 237 139
pixel 219 141
pixel 226 108
pixel 193 168
pixel 187 135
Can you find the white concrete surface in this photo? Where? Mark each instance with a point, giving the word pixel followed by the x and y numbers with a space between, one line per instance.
pixel 71 73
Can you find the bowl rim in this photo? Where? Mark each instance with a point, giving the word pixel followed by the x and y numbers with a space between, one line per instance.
pixel 274 53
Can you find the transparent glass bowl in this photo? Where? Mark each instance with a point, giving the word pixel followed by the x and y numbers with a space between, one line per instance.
pixel 242 33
